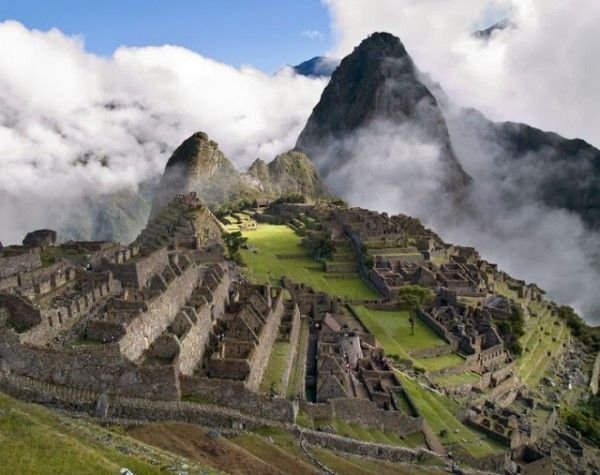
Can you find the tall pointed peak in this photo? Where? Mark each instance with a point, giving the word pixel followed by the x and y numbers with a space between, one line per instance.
pixel 194 165
pixel 378 83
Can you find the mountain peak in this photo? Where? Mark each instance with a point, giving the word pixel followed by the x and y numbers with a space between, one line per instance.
pixel 377 83
pixel 383 42
pixel 196 148
pixel 192 164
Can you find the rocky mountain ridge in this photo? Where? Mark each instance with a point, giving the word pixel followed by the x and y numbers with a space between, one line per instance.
pixel 377 83
pixel 199 165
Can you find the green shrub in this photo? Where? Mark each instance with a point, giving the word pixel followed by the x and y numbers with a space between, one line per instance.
pixel 590 336
pixel 586 419
pixel 291 198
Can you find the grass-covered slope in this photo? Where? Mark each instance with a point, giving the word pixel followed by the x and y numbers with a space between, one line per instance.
pixel 35 440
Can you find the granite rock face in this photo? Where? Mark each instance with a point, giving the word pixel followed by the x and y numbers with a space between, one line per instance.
pixel 377 83
pixel 40 238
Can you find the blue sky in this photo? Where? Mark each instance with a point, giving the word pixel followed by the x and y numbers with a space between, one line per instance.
pixel 264 33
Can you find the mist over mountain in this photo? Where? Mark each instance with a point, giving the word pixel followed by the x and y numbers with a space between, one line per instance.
pixel 373 90
pixel 319 66
pixel 79 132
pixel 199 165
pixel 385 136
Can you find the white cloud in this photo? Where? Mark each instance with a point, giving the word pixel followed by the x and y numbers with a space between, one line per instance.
pixel 312 34
pixel 544 72
pixel 74 124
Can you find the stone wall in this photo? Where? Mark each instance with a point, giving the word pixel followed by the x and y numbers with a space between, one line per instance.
pixel 21 314
pixel 364 412
pixel 14 263
pixel 262 351
pixel 136 272
pixel 9 282
pixel 194 340
pixel 235 395
pixel 127 408
pixel 438 328
pixel 363 449
pixel 54 321
pixel 162 310
pixel 99 368
pixel 294 340
pixel 381 286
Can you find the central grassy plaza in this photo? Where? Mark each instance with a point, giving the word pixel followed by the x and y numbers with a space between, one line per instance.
pixel 276 251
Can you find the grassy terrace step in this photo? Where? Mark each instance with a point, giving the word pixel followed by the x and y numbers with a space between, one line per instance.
pixel 271 240
pixel 282 454
pixel 280 449
pixel 352 465
pixel 362 433
pixel 540 346
pixel 544 334
pixel 440 413
pixel 438 363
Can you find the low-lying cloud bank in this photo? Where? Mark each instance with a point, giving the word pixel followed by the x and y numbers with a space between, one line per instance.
pixel 73 124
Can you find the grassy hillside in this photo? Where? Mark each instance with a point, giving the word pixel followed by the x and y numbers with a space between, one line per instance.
pixel 34 440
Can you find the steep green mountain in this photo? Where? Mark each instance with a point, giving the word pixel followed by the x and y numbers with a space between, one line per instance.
pixel 198 165
pixel 378 83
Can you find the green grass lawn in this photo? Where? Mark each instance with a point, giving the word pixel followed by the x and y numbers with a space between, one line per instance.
pixel 392 330
pixel 277 448
pixel 272 381
pixel 34 440
pixel 354 465
pixel 274 240
pixel 440 413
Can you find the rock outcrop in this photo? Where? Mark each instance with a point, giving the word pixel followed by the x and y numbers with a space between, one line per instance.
pixel 197 165
pixel 290 172
pixel 377 83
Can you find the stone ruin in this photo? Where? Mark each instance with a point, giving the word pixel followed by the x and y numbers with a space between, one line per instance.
pixel 168 318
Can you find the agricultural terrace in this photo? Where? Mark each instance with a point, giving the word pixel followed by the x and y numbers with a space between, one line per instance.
pixel 440 413
pixel 276 251
pixel 544 339
pixel 273 378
